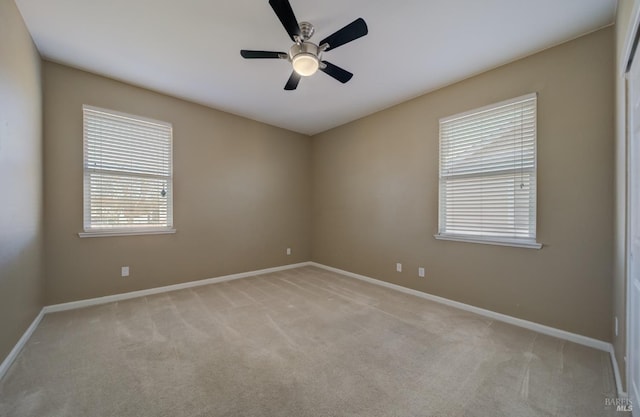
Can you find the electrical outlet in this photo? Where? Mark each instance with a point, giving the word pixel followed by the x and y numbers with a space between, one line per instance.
pixel 124 271
pixel 421 272
pixel 399 267
pixel 288 251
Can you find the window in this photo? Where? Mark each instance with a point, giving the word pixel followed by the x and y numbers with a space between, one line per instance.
pixel 488 174
pixel 127 174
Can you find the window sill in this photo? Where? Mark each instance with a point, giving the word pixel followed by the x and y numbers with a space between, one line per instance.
pixel 105 233
pixel 497 242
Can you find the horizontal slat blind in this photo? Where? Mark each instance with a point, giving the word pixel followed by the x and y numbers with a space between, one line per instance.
pixel 488 172
pixel 127 172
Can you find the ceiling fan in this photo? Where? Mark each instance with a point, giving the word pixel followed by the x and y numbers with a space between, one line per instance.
pixel 306 56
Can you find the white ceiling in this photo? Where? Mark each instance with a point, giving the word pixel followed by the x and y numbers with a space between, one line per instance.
pixel 190 48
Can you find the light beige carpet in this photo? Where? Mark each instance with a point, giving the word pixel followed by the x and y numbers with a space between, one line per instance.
pixel 303 342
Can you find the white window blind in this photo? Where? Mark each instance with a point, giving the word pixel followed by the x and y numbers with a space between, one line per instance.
pixel 127 173
pixel 488 174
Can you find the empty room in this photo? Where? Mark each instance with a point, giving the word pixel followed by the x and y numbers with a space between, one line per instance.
pixel 320 208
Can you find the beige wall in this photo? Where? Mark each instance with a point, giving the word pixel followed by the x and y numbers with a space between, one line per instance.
pixel 241 194
pixel 622 29
pixel 20 179
pixel 375 199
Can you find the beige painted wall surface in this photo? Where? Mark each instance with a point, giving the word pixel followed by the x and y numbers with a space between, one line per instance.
pixel 241 194
pixel 21 226
pixel 622 31
pixel 375 198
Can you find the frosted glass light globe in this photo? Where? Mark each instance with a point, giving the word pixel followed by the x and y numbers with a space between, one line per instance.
pixel 305 64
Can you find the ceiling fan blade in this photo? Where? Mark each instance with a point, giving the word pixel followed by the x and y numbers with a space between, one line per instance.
pixel 262 54
pixel 354 30
pixel 336 72
pixel 283 10
pixel 292 84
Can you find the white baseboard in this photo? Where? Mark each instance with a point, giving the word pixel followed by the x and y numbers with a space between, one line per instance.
pixel 8 361
pixel 158 290
pixel 616 372
pixel 536 327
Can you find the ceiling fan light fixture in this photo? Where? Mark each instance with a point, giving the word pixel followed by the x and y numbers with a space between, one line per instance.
pixel 305 64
